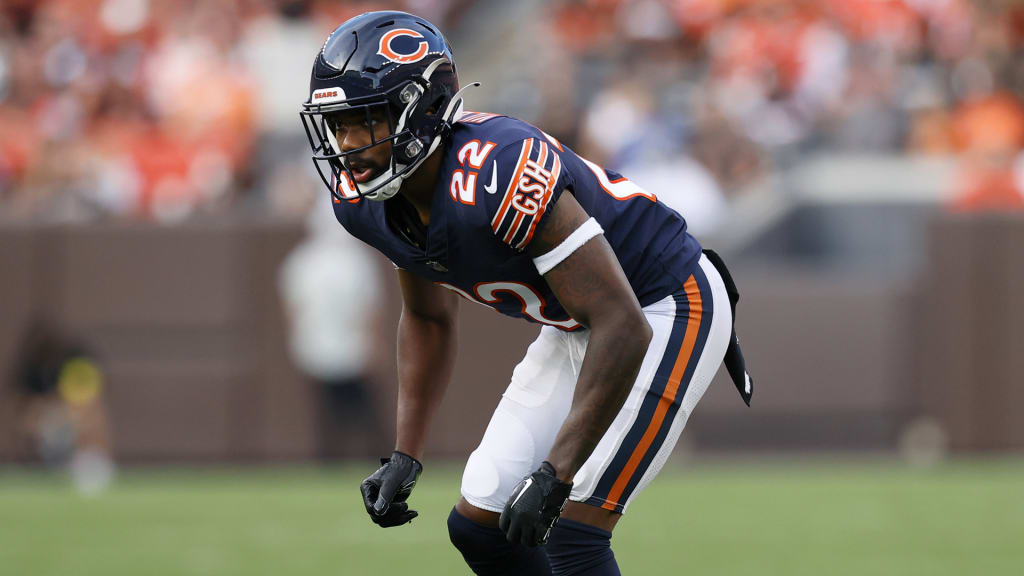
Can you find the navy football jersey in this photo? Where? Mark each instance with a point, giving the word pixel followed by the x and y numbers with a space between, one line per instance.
pixel 498 180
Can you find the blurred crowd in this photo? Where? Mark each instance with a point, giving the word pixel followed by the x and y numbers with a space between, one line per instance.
pixel 156 109
pixel 748 86
pixel 162 109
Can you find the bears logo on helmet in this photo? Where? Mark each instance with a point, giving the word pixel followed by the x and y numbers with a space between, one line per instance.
pixel 388 51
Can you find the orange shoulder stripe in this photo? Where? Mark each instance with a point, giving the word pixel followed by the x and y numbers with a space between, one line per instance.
pixel 524 156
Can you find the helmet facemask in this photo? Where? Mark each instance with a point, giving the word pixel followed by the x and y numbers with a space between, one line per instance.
pixel 404 106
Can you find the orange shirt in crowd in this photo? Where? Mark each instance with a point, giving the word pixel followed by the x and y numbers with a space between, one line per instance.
pixel 989 133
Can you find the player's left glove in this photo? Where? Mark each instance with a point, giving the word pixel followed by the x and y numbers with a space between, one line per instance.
pixel 385 492
pixel 534 507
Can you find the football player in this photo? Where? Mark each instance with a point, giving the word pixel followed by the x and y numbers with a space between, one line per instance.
pixel 635 318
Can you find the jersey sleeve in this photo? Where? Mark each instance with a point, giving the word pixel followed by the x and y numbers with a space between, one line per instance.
pixel 522 184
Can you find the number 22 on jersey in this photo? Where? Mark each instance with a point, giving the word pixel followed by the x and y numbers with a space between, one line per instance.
pixel 472 157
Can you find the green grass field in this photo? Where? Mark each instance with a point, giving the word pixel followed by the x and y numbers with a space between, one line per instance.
pixel 817 518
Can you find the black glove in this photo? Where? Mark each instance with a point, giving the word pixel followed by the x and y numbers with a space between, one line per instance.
pixel 534 506
pixel 386 490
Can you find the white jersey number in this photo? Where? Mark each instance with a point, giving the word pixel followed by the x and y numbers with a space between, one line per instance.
pixel 621 188
pixel 471 157
pixel 487 294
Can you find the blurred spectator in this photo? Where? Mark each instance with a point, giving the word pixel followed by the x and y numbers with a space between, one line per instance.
pixel 989 133
pixel 620 116
pixel 64 417
pixel 277 46
pixel 687 187
pixel 329 285
pixel 775 67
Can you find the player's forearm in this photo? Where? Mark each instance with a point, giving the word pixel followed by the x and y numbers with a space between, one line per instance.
pixel 614 355
pixel 426 355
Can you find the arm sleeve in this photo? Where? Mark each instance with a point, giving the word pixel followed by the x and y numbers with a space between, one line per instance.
pixel 530 178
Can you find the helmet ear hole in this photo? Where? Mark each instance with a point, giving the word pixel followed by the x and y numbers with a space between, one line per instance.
pixel 437 105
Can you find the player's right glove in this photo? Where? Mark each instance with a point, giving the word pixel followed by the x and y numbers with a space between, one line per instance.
pixel 386 490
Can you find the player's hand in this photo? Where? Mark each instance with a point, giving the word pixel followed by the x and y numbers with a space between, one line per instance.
pixel 386 490
pixel 534 507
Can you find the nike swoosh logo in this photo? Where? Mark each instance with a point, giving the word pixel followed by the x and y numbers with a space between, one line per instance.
pixel 493 186
pixel 529 482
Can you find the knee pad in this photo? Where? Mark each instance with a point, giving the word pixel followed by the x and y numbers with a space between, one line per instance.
pixel 580 549
pixel 488 553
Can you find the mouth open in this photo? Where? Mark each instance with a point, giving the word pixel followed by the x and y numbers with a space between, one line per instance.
pixel 361 176
pixel 364 172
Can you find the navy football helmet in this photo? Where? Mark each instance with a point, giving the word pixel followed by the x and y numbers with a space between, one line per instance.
pixel 381 64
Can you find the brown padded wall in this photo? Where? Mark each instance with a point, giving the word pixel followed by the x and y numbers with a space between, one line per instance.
pixel 189 325
pixel 971 363
pixel 187 322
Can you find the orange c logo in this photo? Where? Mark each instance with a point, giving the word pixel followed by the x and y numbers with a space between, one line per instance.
pixel 386 51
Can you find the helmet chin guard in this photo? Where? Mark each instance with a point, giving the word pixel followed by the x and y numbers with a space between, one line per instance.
pixel 394 64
